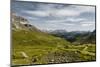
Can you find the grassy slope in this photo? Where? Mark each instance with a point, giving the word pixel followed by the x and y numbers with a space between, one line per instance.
pixel 39 44
pixel 34 44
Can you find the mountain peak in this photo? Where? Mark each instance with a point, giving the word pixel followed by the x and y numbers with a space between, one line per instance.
pixel 21 23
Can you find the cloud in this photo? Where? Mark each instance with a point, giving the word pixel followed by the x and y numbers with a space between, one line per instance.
pixel 54 10
pixel 56 16
pixel 88 22
pixel 86 25
pixel 37 13
pixel 76 19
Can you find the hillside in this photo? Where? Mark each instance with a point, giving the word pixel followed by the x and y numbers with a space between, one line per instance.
pixel 78 37
pixel 32 46
pixel 29 37
pixel 89 38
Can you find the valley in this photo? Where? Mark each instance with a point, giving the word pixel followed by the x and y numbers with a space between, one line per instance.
pixel 33 46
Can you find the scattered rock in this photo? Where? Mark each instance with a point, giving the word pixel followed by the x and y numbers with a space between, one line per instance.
pixel 61 57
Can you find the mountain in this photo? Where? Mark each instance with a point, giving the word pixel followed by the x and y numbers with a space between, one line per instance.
pixel 79 37
pixel 69 36
pixel 89 38
pixel 20 23
pixel 33 46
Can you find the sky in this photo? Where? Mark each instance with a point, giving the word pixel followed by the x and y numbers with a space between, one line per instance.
pixel 51 16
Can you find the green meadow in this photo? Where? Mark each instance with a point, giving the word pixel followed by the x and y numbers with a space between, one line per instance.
pixel 43 48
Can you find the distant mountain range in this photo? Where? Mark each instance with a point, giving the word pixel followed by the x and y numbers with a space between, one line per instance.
pixel 80 37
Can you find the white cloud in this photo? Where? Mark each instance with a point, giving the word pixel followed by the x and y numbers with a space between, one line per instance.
pixel 37 13
pixel 69 24
pixel 66 12
pixel 88 22
pixel 86 8
pixel 82 8
pixel 75 19
pixel 73 10
pixel 53 13
pixel 86 25
pixel 66 20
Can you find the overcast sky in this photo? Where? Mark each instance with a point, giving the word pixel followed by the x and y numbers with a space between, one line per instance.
pixel 49 16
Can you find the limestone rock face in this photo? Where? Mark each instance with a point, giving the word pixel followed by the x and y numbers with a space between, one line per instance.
pixel 21 23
